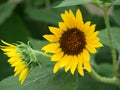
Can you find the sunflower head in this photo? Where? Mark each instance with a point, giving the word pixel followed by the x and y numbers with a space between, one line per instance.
pixel 20 57
pixel 72 42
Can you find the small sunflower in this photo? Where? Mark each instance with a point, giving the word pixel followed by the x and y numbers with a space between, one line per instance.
pixel 72 42
pixel 19 58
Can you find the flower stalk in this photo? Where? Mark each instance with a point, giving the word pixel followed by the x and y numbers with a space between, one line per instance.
pixel 106 18
pixel 41 53
pixel 114 80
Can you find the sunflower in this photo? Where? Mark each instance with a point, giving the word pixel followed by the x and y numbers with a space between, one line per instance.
pixel 72 42
pixel 19 58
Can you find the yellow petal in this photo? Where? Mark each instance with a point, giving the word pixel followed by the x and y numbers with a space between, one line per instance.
pixel 92 41
pixel 6 49
pixel 16 63
pixel 7 43
pixel 51 47
pixel 68 66
pixel 66 19
pixel 12 60
pixel 12 54
pixel 87 26
pixel 51 38
pixel 87 65
pixel 74 65
pixel 98 45
pixel 80 62
pixel 56 67
pixel 72 19
pixel 92 28
pixel 62 26
pixel 86 55
pixel 57 56
pixel 92 36
pixel 64 61
pixel 79 20
pixel 23 75
pixel 18 69
pixel 56 31
pixel 91 49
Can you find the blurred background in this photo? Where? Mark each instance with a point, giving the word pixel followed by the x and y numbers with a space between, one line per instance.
pixel 23 20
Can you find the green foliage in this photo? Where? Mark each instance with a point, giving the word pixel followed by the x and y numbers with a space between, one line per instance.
pixel 6 10
pixel 29 20
pixel 115 15
pixel 88 83
pixel 116 2
pixel 71 2
pixel 105 70
pixel 115 34
pixel 37 3
pixel 42 15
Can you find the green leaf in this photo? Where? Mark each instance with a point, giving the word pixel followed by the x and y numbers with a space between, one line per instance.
pixel 116 15
pixel 6 10
pixel 73 2
pixel 50 81
pixel 14 30
pixel 115 31
pixel 37 3
pixel 45 15
pixel 105 70
pixel 116 2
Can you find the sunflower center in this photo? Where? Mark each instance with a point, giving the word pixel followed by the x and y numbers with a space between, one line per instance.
pixel 72 42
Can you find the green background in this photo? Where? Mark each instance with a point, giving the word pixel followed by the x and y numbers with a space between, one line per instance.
pixel 28 20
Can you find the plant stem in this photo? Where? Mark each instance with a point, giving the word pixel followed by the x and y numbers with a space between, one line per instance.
pixel 106 18
pixel 41 53
pixel 113 80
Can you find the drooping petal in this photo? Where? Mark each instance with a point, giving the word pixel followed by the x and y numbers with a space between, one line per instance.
pixel 19 68
pixel 16 63
pixel 74 65
pixel 68 66
pixel 56 67
pixel 8 44
pixel 87 65
pixel 80 63
pixel 23 75
pixel 86 55
pixel 64 61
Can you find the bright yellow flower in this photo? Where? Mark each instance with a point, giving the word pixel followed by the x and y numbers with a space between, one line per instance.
pixel 16 61
pixel 72 42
